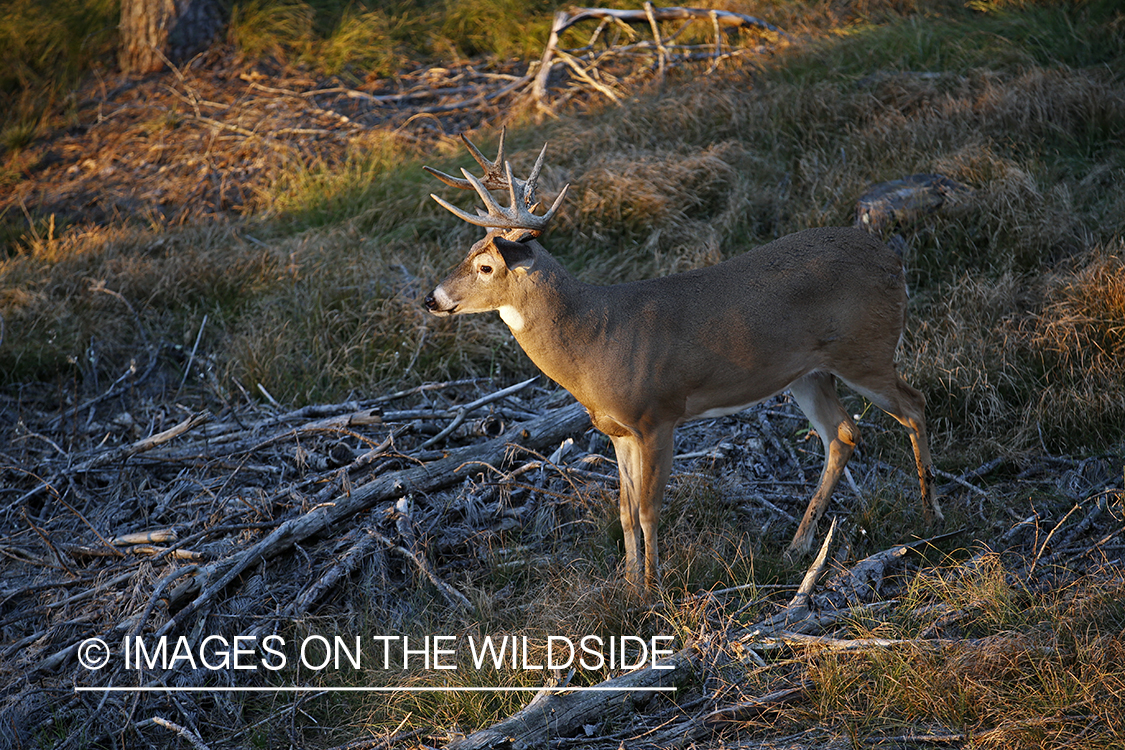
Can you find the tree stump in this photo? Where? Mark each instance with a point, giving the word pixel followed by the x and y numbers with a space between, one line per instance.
pixel 156 32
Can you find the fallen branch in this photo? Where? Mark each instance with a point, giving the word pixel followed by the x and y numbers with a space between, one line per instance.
pixel 125 451
pixel 664 49
pixel 184 732
pixel 546 430
pixel 552 715
pixel 649 15
pixel 117 454
pixel 756 707
pixel 798 607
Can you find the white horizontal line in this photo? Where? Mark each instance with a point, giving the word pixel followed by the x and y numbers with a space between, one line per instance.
pixel 397 689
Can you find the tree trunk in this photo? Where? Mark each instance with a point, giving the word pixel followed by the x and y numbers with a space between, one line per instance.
pixel 154 32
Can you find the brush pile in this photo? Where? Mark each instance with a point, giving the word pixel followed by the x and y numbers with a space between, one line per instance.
pixel 123 518
pixel 241 521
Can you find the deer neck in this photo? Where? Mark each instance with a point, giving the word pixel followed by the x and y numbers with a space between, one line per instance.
pixel 554 318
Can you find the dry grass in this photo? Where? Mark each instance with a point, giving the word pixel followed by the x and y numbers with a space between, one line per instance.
pixel 1030 670
pixel 1023 364
pixel 660 184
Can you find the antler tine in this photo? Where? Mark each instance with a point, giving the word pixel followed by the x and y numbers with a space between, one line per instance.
pixel 533 178
pixel 497 217
pixel 450 180
pixel 493 177
pixel 514 202
pixel 498 176
pixel 555 206
pixel 482 160
pixel 462 215
pixel 494 208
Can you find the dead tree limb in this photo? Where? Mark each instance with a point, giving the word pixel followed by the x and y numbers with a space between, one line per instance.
pixel 551 428
pixel 723 17
pixel 564 714
pixel 664 48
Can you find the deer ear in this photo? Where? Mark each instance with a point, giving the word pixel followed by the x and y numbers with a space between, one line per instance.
pixel 517 256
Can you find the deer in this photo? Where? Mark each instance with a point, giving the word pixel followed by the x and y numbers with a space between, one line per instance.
pixel 643 357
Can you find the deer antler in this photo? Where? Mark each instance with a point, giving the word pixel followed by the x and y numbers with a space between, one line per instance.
pixel 493 177
pixel 498 176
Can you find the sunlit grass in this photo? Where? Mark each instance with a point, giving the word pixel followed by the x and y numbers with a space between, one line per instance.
pixel 1026 669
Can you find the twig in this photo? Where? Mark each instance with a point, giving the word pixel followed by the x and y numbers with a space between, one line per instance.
pixel 800 600
pixel 908 740
pixel 119 387
pixel 268 395
pixel 798 607
pixel 573 64
pixel 159 591
pixel 428 387
pixel 661 53
pixel 728 18
pixel 374 743
pixel 184 732
pixel 476 100
pixel 467 408
pixel 746 710
pixel 191 358
pixel 345 567
pixel 718 41
pixel 1043 547
pixel 92 592
pixel 957 480
pixel 147 444
pixel 452 595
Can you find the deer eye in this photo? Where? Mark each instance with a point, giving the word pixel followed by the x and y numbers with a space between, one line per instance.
pixel 486 269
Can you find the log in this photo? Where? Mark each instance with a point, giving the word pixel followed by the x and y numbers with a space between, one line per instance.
pixel 900 203
pixel 549 429
pixel 564 714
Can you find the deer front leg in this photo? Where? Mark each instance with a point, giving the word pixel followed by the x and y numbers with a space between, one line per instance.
pixel 643 464
pixel 629 471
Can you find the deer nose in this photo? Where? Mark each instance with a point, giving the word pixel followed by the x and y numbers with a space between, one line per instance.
pixel 430 302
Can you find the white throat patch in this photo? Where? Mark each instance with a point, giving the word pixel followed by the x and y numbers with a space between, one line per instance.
pixel 512 317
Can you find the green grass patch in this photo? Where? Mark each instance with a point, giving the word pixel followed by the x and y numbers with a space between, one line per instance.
pixel 45 49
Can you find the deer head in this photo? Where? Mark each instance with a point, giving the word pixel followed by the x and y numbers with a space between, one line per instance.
pixel 485 279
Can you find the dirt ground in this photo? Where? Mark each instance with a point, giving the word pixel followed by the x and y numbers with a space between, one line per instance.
pixel 208 140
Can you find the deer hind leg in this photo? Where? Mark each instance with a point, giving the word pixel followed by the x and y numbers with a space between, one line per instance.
pixel 643 464
pixel 816 395
pixel 892 394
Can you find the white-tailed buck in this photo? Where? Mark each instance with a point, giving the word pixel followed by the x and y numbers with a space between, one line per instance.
pixel 646 356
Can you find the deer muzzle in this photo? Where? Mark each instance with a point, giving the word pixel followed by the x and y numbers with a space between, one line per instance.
pixel 438 303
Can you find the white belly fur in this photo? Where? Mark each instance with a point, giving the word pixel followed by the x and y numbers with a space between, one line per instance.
pixel 718 411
